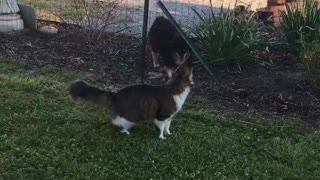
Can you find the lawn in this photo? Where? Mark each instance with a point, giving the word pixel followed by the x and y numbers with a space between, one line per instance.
pixel 44 134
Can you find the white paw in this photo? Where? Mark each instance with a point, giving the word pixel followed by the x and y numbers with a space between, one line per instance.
pixel 125 131
pixel 162 137
pixel 168 132
pixel 156 65
pixel 154 75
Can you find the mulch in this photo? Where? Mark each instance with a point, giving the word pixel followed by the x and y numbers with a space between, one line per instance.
pixel 277 88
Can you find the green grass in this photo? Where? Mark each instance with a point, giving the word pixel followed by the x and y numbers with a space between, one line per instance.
pixel 46 135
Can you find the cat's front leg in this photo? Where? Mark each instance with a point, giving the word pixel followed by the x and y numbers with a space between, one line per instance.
pixel 167 126
pixel 155 58
pixel 161 126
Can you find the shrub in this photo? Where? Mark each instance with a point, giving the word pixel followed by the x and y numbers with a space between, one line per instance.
pixel 94 17
pixel 301 23
pixel 310 57
pixel 228 36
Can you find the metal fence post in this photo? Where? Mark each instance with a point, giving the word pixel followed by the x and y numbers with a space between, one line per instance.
pixel 144 38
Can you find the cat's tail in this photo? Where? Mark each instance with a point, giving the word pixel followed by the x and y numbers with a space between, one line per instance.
pixel 81 89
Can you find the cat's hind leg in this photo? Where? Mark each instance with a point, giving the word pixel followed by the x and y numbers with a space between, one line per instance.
pixel 125 131
pixel 123 123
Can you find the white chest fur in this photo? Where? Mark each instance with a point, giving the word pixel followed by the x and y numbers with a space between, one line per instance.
pixel 181 98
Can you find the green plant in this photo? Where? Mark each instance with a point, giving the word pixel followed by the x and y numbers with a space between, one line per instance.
pixel 301 23
pixel 310 57
pixel 228 36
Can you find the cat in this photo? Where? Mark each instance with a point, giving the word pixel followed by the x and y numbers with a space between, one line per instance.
pixel 165 42
pixel 136 104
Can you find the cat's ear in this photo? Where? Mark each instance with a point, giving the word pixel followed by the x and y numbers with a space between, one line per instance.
pixel 186 56
pixel 177 58
pixel 187 69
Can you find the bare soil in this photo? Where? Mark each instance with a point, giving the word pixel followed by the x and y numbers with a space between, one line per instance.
pixel 273 89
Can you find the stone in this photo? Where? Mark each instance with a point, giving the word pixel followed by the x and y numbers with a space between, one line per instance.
pixel 10 23
pixel 28 15
pixel 48 30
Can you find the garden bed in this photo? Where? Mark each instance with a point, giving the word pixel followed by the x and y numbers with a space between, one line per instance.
pixel 273 89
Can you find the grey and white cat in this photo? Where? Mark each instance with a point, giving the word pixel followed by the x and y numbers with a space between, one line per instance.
pixel 134 105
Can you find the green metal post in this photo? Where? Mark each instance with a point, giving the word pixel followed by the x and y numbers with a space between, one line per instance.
pixel 144 38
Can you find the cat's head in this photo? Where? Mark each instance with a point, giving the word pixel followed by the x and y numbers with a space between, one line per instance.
pixel 184 70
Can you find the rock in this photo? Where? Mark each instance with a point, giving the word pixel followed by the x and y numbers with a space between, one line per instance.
pixel 241 93
pixel 28 15
pixel 296 76
pixel 48 30
pixel 10 23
